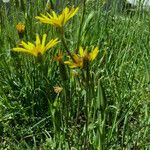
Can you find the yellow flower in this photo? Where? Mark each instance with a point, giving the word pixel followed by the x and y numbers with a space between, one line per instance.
pixel 20 27
pixel 83 56
pixel 59 57
pixel 58 20
pixel 39 48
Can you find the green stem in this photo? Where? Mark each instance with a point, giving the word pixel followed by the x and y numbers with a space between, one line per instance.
pixel 81 24
pixel 66 104
pixel 103 105
pixel 87 100
pixel 52 4
pixel 66 47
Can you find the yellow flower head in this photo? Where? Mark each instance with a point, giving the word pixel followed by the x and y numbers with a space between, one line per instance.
pixel 59 57
pixel 83 56
pixel 58 20
pixel 39 48
pixel 20 27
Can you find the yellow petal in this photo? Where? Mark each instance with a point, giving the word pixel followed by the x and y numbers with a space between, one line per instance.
pixel 94 53
pixel 54 15
pixel 62 19
pixel 68 62
pixel 43 18
pixel 51 43
pixel 44 40
pixel 65 11
pixel 71 64
pixel 73 12
pixel 30 45
pixel 81 52
pixel 19 49
pixel 26 46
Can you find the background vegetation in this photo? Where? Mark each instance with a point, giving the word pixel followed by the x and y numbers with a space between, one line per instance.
pixel 110 112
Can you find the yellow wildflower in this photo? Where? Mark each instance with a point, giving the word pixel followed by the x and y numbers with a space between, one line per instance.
pixel 58 20
pixel 83 56
pixel 77 62
pixel 59 57
pixel 20 27
pixel 39 48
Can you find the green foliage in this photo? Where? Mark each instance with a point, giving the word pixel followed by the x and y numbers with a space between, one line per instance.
pixel 105 106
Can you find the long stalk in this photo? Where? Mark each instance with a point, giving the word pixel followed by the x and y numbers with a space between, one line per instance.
pixel 81 24
pixel 87 99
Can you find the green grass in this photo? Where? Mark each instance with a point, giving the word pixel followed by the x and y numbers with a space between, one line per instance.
pixel 103 107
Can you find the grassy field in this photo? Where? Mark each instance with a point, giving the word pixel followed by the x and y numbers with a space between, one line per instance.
pixel 88 91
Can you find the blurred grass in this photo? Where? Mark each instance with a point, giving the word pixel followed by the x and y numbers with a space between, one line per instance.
pixel 32 115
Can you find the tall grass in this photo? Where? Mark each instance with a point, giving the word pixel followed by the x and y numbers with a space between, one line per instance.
pixel 105 106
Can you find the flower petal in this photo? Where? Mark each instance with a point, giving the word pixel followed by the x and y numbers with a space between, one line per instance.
pixel 93 53
pixel 51 43
pixel 19 49
pixel 44 40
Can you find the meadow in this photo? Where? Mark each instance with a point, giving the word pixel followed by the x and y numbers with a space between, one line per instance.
pixel 74 76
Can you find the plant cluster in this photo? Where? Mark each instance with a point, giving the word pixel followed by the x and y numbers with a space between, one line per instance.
pixel 73 75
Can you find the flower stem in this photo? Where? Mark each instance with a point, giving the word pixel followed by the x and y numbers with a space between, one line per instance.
pixel 81 24
pixel 65 44
pixel 87 101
